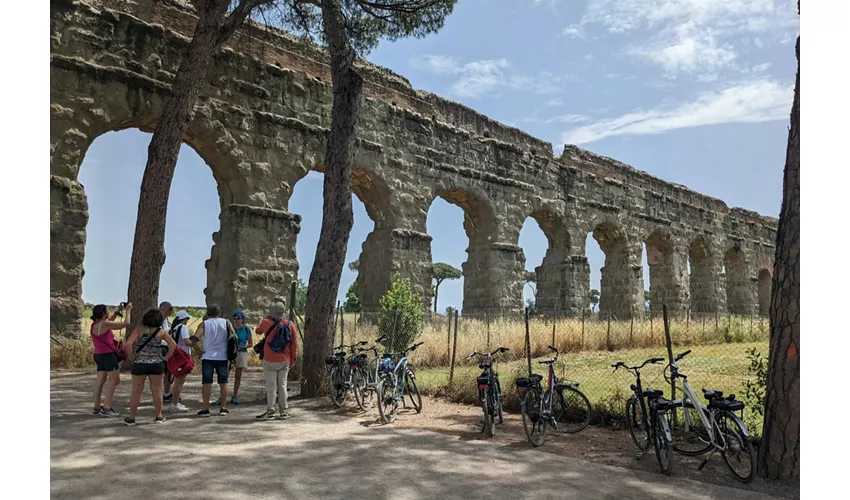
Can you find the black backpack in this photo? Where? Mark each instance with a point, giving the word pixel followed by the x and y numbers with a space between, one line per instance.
pixel 232 344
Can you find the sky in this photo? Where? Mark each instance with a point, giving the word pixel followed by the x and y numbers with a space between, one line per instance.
pixel 694 92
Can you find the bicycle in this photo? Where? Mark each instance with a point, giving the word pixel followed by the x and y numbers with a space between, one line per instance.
pixel 540 408
pixel 392 388
pixel 340 381
pixel 489 390
pixel 716 429
pixel 654 429
pixel 364 390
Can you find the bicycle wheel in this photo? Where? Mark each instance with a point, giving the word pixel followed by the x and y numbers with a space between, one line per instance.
pixel 694 441
pixel 489 425
pixel 498 401
pixel 363 394
pixel 738 452
pixel 387 403
pixel 413 390
pixel 635 420
pixel 532 420
pixel 662 446
pixel 338 392
pixel 571 409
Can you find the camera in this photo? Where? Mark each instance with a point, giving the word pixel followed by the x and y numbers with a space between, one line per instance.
pixel 122 305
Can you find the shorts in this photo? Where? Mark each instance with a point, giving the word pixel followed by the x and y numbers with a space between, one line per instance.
pixel 242 359
pixel 107 362
pixel 219 366
pixel 146 369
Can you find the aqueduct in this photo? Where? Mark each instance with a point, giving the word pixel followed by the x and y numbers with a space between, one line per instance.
pixel 260 125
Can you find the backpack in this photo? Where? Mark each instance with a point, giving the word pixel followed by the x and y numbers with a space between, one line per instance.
pixel 282 338
pixel 232 346
pixel 180 364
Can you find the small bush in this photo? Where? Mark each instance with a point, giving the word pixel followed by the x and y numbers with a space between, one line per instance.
pixel 755 391
pixel 401 314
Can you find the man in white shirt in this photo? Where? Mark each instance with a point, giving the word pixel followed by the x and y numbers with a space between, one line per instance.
pixel 214 332
pixel 166 309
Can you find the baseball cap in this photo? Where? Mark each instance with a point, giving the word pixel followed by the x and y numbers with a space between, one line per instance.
pixel 182 314
pixel 239 314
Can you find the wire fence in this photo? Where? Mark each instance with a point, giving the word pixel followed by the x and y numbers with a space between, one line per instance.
pixel 721 347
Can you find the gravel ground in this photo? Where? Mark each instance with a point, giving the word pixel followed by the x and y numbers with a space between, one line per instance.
pixel 329 453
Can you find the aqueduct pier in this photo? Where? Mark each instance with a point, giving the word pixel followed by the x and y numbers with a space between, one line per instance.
pixel 260 125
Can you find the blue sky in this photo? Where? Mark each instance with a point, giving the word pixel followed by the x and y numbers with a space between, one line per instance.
pixel 692 91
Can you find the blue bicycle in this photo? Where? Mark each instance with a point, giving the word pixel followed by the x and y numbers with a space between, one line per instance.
pixel 395 380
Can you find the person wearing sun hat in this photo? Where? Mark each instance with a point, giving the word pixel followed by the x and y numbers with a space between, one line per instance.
pixel 180 333
pixel 245 337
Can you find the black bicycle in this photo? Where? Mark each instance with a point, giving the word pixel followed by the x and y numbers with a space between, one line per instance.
pixel 561 403
pixel 341 379
pixel 489 390
pixel 647 418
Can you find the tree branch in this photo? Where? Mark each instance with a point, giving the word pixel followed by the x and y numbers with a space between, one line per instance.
pixel 233 21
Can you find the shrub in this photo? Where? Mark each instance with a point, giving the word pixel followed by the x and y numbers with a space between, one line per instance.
pixel 401 315
pixel 755 391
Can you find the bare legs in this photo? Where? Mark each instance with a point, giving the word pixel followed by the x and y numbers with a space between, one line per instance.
pixel 112 381
pixel 206 391
pixel 98 388
pixel 136 394
pixel 156 392
pixel 238 382
pixel 223 395
pixel 177 388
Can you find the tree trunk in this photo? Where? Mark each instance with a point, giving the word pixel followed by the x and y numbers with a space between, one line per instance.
pixel 779 454
pixel 436 294
pixel 337 213
pixel 149 240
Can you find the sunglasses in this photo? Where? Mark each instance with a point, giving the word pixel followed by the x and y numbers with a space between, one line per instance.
pixel 236 318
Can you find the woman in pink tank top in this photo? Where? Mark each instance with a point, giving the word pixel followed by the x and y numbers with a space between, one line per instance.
pixel 103 339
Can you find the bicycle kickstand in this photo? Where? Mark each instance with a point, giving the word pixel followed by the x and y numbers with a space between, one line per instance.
pixel 704 462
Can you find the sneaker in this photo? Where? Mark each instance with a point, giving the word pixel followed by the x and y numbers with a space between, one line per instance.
pixel 109 412
pixel 159 420
pixel 222 412
pixel 181 408
pixel 166 398
pixel 268 415
pixel 97 411
pixel 217 402
pixel 234 400
pixel 284 415
pixel 204 413
pixel 130 422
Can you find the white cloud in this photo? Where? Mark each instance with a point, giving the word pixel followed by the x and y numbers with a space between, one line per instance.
pixel 488 76
pixel 753 102
pixel 568 118
pixel 691 36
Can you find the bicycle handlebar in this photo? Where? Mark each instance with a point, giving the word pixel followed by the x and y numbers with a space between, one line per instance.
pixel 618 364
pixel 680 356
pixel 498 350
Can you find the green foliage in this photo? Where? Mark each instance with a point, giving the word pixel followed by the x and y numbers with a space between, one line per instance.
pixel 366 21
pixel 530 277
pixel 755 391
pixel 442 271
pixel 352 301
pixel 531 305
pixel 450 310
pixel 300 296
pixel 401 314
pixel 354 265
pixel 593 297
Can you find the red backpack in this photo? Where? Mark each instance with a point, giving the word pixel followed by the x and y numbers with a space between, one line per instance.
pixel 180 364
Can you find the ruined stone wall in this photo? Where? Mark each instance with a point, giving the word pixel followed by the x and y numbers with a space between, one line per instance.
pixel 260 125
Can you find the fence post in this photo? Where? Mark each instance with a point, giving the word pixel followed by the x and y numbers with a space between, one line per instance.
pixel 631 331
pixel 751 325
pixel 651 335
pixel 487 319
pixel 341 332
pixel 582 328
pixel 356 317
pixel 703 329
pixel 292 302
pixel 342 323
pixel 553 330
pixel 608 335
pixel 454 354
pixel 527 343
pixel 716 321
pixel 670 357
pixel 449 339
pixel 688 321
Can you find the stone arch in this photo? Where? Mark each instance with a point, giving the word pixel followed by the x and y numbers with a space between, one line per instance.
pixel 480 288
pixel 663 279
pixel 764 290
pixel 703 285
pixel 554 288
pixel 621 284
pixel 739 285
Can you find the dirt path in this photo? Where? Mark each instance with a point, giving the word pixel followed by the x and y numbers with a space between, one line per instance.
pixel 329 453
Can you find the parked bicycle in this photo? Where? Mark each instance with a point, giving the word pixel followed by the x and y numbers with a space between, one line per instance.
pixel 561 403
pixel 395 380
pixel 646 416
pixel 340 379
pixel 713 428
pixel 489 390
pixel 367 376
